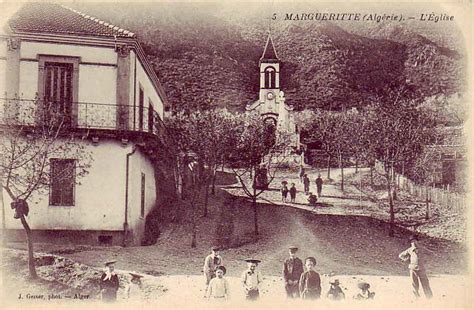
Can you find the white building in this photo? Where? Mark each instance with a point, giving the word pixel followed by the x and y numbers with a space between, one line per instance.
pixel 271 103
pixel 98 76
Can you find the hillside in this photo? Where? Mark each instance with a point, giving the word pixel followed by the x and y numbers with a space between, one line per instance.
pixel 207 54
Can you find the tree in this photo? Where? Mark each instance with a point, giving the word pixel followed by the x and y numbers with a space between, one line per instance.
pixel 208 136
pixel 33 132
pixel 397 132
pixel 257 155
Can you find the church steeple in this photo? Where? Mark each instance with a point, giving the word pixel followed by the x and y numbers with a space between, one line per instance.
pixel 269 53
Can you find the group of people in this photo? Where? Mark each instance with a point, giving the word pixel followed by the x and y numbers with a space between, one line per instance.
pixel 298 282
pixel 312 199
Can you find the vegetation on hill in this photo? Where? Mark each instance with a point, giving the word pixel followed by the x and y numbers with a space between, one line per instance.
pixel 207 55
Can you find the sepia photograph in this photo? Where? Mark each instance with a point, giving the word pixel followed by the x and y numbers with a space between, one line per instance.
pixel 235 154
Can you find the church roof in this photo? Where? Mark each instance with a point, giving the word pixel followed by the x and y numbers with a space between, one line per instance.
pixel 60 19
pixel 269 53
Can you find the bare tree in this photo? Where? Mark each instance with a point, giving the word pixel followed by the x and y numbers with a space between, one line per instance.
pixel 32 132
pixel 260 151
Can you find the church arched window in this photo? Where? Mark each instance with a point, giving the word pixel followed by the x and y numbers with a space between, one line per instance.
pixel 270 76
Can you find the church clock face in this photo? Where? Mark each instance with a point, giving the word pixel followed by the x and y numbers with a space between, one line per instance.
pixel 270 96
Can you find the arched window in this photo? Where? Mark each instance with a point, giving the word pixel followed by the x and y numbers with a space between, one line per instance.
pixel 270 75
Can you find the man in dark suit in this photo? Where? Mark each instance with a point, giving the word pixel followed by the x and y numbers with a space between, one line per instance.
pixel 292 270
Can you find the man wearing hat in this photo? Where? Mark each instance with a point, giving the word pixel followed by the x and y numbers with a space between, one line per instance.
pixel 417 270
pixel 251 279
pixel 109 282
pixel 292 270
pixel 211 263
pixel 218 286
pixel 134 290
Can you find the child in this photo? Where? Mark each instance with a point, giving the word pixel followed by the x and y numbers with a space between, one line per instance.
pixel 134 290
pixel 218 286
pixel 335 292
pixel 293 192
pixel 310 282
pixel 284 191
pixel 211 263
pixel 312 199
pixel 109 282
pixel 251 279
pixel 364 293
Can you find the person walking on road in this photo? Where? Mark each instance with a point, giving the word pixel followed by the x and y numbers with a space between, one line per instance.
pixel 293 193
pixel 417 269
pixel 218 286
pixel 292 270
pixel 284 191
pixel 319 185
pixel 306 184
pixel 301 173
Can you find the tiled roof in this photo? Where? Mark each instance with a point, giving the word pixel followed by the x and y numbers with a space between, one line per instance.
pixel 269 52
pixel 59 19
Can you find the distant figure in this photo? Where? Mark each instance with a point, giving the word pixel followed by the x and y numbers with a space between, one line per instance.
pixel 364 293
pixel 251 280
pixel 335 292
pixel 109 282
pixel 211 263
pixel 306 184
pixel 312 199
pixel 293 193
pixel 417 269
pixel 310 282
pixel 134 290
pixel 301 173
pixel 292 270
pixel 319 185
pixel 284 192
pixel 219 287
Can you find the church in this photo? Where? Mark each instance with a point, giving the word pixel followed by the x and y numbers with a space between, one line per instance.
pixel 271 102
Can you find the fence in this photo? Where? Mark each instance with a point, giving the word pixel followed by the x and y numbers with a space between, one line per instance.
pixel 439 196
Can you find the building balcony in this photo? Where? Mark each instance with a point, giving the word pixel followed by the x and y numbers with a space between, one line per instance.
pixel 114 120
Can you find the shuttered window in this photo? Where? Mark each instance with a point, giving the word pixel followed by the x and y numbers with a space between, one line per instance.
pixel 58 87
pixel 62 182
pixel 142 200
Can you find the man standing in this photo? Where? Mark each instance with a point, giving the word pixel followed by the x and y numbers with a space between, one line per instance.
pixel 251 279
pixel 319 185
pixel 301 173
pixel 306 184
pixel 211 263
pixel 109 282
pixel 417 270
pixel 292 270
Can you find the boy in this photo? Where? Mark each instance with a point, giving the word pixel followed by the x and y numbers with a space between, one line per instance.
pixel 109 282
pixel 417 270
pixel 335 292
pixel 251 279
pixel 312 199
pixel 364 293
pixel 292 270
pixel 134 290
pixel 211 263
pixel 293 192
pixel 310 282
pixel 218 286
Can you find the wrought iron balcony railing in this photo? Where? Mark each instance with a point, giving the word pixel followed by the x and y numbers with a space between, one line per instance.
pixel 82 115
